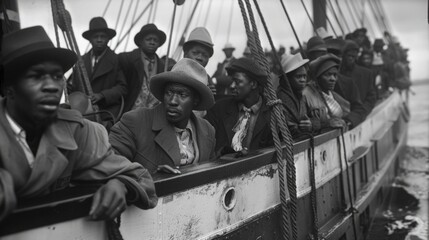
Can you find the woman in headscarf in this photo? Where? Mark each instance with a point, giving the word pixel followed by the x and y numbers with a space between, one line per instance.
pixel 323 104
pixel 290 92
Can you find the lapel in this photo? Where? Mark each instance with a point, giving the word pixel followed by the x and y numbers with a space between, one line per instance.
pixel 263 119
pixel 87 63
pixel 105 65
pixel 203 141
pixel 50 162
pixel 165 135
pixel 231 118
pixel 138 63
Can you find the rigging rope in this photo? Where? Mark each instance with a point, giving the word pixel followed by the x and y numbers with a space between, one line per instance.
pixel 117 20
pixel 293 29
pixel 335 16
pixel 376 17
pixel 308 15
pixel 55 21
pixel 360 22
pixel 150 13
pixel 230 20
pixel 383 15
pixel 327 18
pixel 171 36
pixel 218 17
pixel 313 193
pixel 342 15
pixel 208 10
pixel 125 19
pixel 132 20
pixel 155 10
pixel 352 14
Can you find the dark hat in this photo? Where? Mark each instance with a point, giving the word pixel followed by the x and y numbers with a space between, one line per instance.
pixel 379 42
pixel 201 36
pixel 249 67
pixel 350 45
pixel 187 72
pixel 98 24
pixel 323 63
pixel 150 28
pixel 316 44
pixel 335 44
pixel 360 30
pixel 30 46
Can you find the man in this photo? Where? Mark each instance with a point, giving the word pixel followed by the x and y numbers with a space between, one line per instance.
pixel 199 47
pixel 140 65
pixel 44 148
pixel 169 135
pixel 105 76
pixel 242 121
pixel 316 47
pixel 362 77
pixel 222 80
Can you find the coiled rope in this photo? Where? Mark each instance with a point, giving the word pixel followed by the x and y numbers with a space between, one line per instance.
pixel 286 164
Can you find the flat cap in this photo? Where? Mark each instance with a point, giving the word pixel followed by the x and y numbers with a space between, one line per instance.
pixel 249 67
pixel 321 64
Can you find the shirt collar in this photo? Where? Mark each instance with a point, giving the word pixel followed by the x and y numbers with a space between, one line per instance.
pixel 98 57
pixel 254 108
pixel 18 130
pixel 188 126
pixel 146 57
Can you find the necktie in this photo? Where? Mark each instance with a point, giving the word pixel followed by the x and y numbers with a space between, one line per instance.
pixel 187 154
pixel 27 150
pixel 240 130
pixel 333 106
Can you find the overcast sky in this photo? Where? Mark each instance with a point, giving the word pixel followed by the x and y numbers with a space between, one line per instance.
pixel 407 18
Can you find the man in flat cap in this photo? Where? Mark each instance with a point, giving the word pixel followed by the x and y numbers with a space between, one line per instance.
pixel 140 65
pixel 44 148
pixel 106 78
pixel 169 135
pixel 223 81
pixel 242 121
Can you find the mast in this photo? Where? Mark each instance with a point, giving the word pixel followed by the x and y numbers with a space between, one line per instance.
pixel 9 21
pixel 319 14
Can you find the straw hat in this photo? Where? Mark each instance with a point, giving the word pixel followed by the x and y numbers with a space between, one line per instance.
pixel 292 62
pixel 187 72
pixel 202 36
pixel 98 24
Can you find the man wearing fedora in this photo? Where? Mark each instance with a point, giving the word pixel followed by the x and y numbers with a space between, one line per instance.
pixel 169 135
pixel 199 47
pixel 242 122
pixel 140 65
pixel 44 148
pixel 223 81
pixel 105 76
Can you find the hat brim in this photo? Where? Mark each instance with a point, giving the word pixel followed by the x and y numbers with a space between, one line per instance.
pixel 110 33
pixel 141 34
pixel 326 66
pixel 66 58
pixel 297 65
pixel 208 46
pixel 159 81
pixel 318 49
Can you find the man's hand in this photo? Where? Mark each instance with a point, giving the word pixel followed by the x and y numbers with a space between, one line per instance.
pixel 212 88
pixel 338 123
pixel 96 98
pixel 109 201
pixel 305 125
pixel 168 169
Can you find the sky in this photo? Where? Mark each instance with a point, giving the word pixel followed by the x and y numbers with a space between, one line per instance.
pixel 408 19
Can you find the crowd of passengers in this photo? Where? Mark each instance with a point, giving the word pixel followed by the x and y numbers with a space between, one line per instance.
pixel 160 116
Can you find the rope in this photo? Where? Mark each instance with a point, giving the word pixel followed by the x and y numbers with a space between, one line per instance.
pixel 155 10
pixel 308 15
pixel 171 36
pixel 293 29
pixel 150 13
pixel 376 17
pixel 132 20
pixel 342 15
pixel 335 16
pixel 313 193
pixel 55 20
pixel 327 18
pixel 117 19
pixel 230 20
pixel 208 10
pixel 133 24
pixel 382 15
pixel 277 118
pixel 352 3
pixel 113 232
pixel 352 14
pixel 125 18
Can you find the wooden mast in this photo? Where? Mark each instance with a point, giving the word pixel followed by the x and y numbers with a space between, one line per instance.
pixel 9 16
pixel 319 14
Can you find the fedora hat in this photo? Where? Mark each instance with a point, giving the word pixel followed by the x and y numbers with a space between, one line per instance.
pixel 98 24
pixel 150 28
pixel 322 33
pixel 187 72
pixel 292 62
pixel 31 45
pixel 202 36
pixel 249 67
pixel 323 64
pixel 316 44
pixel 228 46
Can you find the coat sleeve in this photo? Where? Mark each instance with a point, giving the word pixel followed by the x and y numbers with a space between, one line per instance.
pixel 7 194
pixel 371 95
pixel 96 161
pixel 122 136
pixel 112 95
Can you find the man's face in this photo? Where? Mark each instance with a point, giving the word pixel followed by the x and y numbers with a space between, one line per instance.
pixel 367 60
pixel 241 86
pixel 37 93
pixel 350 57
pixel 149 43
pixel 328 79
pixel 198 53
pixel 360 38
pixel 299 79
pixel 179 100
pixel 99 42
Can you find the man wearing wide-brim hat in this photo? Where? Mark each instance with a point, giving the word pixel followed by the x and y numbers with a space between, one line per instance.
pixel 169 135
pixel 44 148
pixel 316 47
pixel 223 81
pixel 140 65
pixel 242 120
pixel 105 76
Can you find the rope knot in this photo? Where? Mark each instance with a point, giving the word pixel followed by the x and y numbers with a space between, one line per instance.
pixel 272 103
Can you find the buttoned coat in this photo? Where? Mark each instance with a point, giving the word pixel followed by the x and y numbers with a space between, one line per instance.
pixel 224 115
pixel 133 68
pixel 106 78
pixel 145 136
pixel 71 150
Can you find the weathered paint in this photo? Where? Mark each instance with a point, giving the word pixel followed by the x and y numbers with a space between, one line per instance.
pixel 199 212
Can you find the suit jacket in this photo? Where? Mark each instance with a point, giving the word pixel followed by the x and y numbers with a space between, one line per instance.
pixel 145 136
pixel 72 149
pixel 365 81
pixel 106 78
pixel 133 68
pixel 224 115
pixel 347 89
